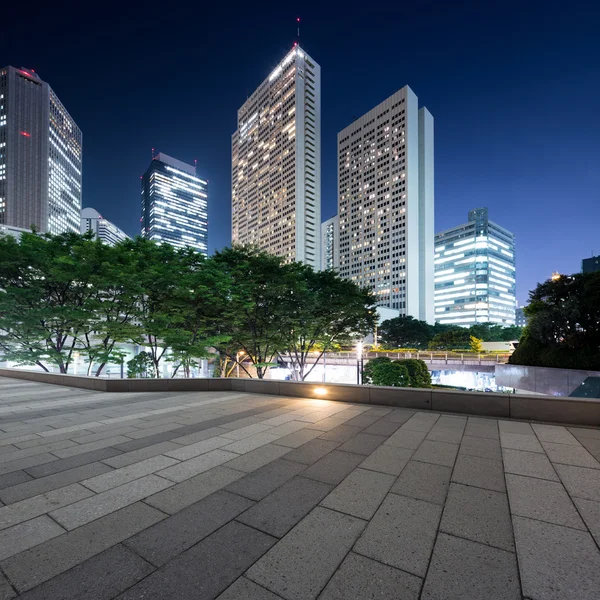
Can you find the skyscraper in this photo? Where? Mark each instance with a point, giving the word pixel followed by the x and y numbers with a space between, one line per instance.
pixel 103 229
pixel 175 204
pixel 386 204
pixel 40 156
pixel 475 273
pixel 330 243
pixel 276 163
pixel 589 265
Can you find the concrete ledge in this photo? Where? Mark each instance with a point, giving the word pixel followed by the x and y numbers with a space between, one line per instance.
pixel 474 403
pixel 220 385
pixel 558 410
pixel 401 397
pixel 259 386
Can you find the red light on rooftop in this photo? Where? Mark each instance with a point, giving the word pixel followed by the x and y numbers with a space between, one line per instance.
pixel 298 19
pixel 25 134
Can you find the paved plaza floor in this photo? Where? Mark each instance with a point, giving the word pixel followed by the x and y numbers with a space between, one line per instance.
pixel 238 496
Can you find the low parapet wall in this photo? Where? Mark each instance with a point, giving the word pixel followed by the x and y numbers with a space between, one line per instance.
pixel 534 408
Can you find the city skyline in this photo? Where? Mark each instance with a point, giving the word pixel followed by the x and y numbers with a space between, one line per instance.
pixel 494 131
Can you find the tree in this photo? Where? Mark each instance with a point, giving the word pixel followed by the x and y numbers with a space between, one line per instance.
pixel 405 332
pixel 397 373
pixel 476 345
pixel 326 311
pixel 418 373
pixel 45 298
pixel 564 324
pixel 140 365
pixel 451 339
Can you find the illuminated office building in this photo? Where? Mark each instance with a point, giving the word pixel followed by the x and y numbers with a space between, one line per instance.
pixel 103 229
pixel 475 273
pixel 386 204
pixel 276 163
pixel 330 243
pixel 175 204
pixel 40 156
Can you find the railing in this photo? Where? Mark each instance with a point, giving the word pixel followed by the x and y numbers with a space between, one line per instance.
pixel 448 358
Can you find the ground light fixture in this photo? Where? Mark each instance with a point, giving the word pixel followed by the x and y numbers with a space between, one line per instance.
pixel 320 391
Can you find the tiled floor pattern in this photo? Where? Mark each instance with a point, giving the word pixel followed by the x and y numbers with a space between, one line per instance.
pixel 247 497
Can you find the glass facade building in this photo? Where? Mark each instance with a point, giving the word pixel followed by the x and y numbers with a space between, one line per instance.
pixel 276 163
pixel 103 229
pixel 330 243
pixel 590 265
pixel 475 273
pixel 40 156
pixel 175 204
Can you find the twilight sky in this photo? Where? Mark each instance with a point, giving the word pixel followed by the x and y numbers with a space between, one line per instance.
pixel 514 89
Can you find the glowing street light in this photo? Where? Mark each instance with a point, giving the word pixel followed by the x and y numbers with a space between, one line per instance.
pixel 359 362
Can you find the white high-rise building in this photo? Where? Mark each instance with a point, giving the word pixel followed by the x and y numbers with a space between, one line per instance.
pixel 276 163
pixel 103 229
pixel 475 273
pixel 386 204
pixel 330 243
pixel 40 156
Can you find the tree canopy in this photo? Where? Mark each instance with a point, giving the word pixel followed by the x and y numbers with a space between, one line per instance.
pixel 564 324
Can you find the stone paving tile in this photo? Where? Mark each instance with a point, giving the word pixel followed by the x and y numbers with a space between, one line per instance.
pixel 244 589
pixel 79 513
pixel 360 494
pixel 258 458
pixel 128 458
pixel 6 591
pixel 421 422
pixel 363 443
pixel 592 446
pixel 102 435
pixel 199 436
pixel 580 481
pixel 360 578
pixel 364 420
pixel 117 477
pixel 193 450
pixel 263 481
pixel 244 432
pixel 590 512
pixel 398 415
pixel 180 495
pixel 485 428
pixel 555 434
pixel 69 463
pixel 530 464
pixel 479 446
pixel 478 515
pixel 14 478
pixel 56 447
pixel 312 451
pixel 34 566
pixel 39 505
pixel 382 427
pixel 401 534
pixel 281 510
pixel 542 500
pixel 334 467
pixel 287 428
pixel 570 455
pixel 515 427
pixel 519 441
pixel 253 442
pixel 116 569
pixel 195 466
pixel 584 433
pixel 299 565
pixel 207 568
pixel 341 433
pixel 165 540
pixel 25 463
pixel 404 438
pixel 479 472
pixel 28 534
pixel 463 569
pixel 387 459
pixel 437 453
pixel 424 481
pixel 84 448
pixel 52 482
pixel 556 562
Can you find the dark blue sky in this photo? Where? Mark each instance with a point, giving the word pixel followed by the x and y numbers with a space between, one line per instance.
pixel 514 88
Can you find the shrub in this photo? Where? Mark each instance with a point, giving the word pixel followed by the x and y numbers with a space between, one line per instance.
pixel 409 372
pixel 419 375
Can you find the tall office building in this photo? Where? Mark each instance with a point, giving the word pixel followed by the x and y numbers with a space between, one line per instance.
pixel 385 204
pixel 276 163
pixel 40 156
pixel 475 273
pixel 520 317
pixel 330 243
pixel 175 204
pixel 103 229
pixel 589 265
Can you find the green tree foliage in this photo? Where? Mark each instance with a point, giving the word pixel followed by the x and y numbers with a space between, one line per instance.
pixel 452 339
pixel 397 373
pixel 564 324
pixel 405 332
pixel 141 365
pixel 476 345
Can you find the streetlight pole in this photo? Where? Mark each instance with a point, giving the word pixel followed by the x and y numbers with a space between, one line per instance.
pixel 359 362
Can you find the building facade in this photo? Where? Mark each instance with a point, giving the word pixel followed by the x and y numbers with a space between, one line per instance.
pixel 330 243
pixel 175 204
pixel 475 273
pixel 40 156
pixel 386 204
pixel 589 265
pixel 520 317
pixel 103 229
pixel 276 163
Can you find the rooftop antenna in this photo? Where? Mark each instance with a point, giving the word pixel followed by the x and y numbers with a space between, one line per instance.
pixel 152 153
pixel 195 166
pixel 298 24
